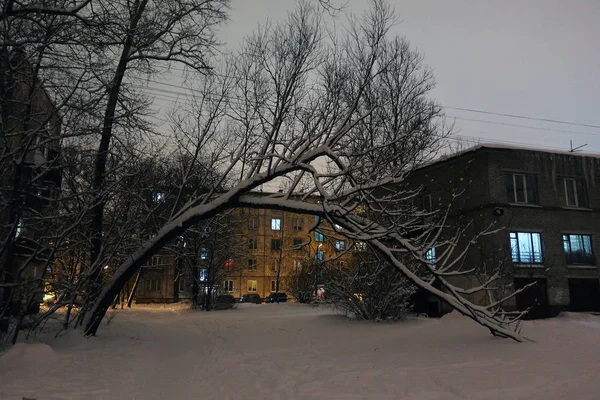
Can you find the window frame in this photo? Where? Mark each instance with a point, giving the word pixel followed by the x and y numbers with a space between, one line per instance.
pixel 278 247
pixel 431 258
pixel 253 223
pixel 587 258
pixel 298 225
pixel 252 243
pixel 275 224
pixel 319 255
pixel 319 237
pixel 579 202
pixel 252 264
pixel 527 180
pixel 518 247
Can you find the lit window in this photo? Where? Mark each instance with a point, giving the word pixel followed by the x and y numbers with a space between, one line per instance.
pixel 521 188
pixel 203 275
pixel 319 237
pixel 578 249
pixel 252 286
pixel 19 229
pixel 526 247
pixel 297 265
pixel 340 245
pixel 575 194
pixel 319 255
pixel 159 197
pixel 430 257
pixel 276 224
pixel 203 253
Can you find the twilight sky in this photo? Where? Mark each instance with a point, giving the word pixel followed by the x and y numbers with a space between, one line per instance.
pixel 534 58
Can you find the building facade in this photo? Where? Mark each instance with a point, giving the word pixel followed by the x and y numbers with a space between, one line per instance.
pixel 264 248
pixel 543 211
pixel 30 178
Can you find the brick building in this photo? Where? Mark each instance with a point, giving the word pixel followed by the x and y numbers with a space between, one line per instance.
pixel 265 247
pixel 545 207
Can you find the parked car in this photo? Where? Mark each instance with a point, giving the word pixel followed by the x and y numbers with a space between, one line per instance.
pixel 251 298
pixel 224 302
pixel 276 298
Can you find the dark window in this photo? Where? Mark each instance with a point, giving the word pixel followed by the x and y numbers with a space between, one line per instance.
pixel 427 204
pixel 526 247
pixel 298 225
pixel 273 286
pixel 521 188
pixel 297 243
pixel 253 223
pixel 253 243
pixel 275 244
pixel 153 285
pixel 228 286
pixel 252 264
pixel 578 249
pixel 203 253
pixel 575 193
pixel 340 245
pixel 319 237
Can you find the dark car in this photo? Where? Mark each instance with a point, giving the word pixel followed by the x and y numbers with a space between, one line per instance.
pixel 276 298
pixel 224 302
pixel 251 298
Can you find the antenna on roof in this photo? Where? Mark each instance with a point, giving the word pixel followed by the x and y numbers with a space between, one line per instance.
pixel 576 149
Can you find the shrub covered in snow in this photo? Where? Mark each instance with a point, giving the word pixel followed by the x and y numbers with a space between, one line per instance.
pixel 368 289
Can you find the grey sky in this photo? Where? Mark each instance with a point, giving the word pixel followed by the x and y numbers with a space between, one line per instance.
pixel 536 58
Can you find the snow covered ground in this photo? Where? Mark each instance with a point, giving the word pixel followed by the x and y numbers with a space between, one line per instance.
pixel 292 351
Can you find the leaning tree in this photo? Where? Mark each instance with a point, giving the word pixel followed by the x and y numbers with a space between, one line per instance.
pixel 337 118
pixel 341 119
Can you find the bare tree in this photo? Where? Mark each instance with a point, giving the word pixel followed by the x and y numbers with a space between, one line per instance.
pixel 341 117
pixel 345 118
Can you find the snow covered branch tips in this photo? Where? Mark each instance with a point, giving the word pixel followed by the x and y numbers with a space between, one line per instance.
pixel 331 124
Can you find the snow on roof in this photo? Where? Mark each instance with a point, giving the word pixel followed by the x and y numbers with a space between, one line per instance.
pixel 498 146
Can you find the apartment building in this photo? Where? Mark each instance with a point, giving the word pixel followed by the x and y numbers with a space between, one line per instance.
pixel 544 211
pixel 264 247
pixel 30 177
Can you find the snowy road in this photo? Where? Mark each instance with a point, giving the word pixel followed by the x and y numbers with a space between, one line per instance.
pixel 291 351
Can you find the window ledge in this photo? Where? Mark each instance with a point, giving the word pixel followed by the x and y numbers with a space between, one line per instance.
pixel 576 208
pixel 530 266
pixel 583 266
pixel 525 205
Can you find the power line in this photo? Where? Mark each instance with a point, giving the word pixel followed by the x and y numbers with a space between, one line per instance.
pixel 524 126
pixel 555 121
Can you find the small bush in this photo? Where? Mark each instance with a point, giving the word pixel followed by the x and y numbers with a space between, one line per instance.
pixel 369 289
